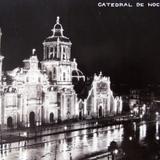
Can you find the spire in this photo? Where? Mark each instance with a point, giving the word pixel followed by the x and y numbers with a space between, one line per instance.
pixel 58 33
pixel 33 51
pixel 57 21
pixel 100 73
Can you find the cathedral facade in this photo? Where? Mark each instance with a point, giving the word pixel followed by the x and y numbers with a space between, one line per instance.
pixel 33 95
pixel 100 101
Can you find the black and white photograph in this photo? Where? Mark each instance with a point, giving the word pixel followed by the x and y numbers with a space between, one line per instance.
pixel 79 80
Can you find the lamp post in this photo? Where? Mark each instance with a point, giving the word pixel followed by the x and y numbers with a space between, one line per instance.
pixel 113 148
pixel 115 152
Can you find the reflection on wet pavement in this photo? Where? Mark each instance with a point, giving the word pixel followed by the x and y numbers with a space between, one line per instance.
pixel 75 145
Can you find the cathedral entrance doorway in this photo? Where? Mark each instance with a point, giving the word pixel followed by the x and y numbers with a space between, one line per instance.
pixel 80 115
pixel 68 115
pixel 100 111
pixel 59 115
pixel 32 119
pixel 51 117
pixel 9 122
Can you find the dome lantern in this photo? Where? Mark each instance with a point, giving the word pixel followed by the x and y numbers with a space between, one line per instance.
pixel 57 29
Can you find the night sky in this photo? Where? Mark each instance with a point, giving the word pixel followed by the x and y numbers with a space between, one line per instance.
pixel 122 42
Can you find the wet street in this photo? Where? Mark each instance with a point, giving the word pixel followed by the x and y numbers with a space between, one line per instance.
pixel 138 140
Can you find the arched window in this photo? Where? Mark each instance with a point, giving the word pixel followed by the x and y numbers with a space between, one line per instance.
pixel 32 119
pixel 64 49
pixel 100 111
pixel 51 117
pixel 51 56
pixel 64 56
pixel 47 52
pixel 64 76
pixel 54 70
pixel 55 52
pixel 9 122
pixel 50 75
pixel 59 114
pixel 68 115
pixel 54 73
pixel 80 115
pixel 51 49
pixel 68 103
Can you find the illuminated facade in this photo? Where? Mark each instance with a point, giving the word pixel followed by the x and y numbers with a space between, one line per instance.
pixel 35 95
pixel 100 101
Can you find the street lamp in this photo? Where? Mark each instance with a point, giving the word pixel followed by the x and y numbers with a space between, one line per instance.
pixel 157 113
pixel 157 137
pixel 115 151
pixel 113 148
pixel 114 154
pixel 25 134
pixel 141 116
pixel 65 128
pixel 130 138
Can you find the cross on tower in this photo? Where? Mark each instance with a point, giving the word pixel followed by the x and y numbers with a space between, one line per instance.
pixel 33 51
pixel 57 21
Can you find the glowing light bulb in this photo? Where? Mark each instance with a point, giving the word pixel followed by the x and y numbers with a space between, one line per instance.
pixel 130 138
pixel 65 128
pixel 157 137
pixel 116 151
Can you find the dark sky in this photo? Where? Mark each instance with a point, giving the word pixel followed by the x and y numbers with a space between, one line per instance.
pixel 122 42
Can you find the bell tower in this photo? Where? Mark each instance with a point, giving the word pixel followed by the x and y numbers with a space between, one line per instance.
pixel 57 62
pixel 57 56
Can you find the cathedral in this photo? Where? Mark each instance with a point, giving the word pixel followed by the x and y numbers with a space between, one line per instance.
pixel 32 95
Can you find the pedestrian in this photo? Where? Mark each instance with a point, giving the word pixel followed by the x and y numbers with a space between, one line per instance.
pixel 70 156
pixel 25 144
